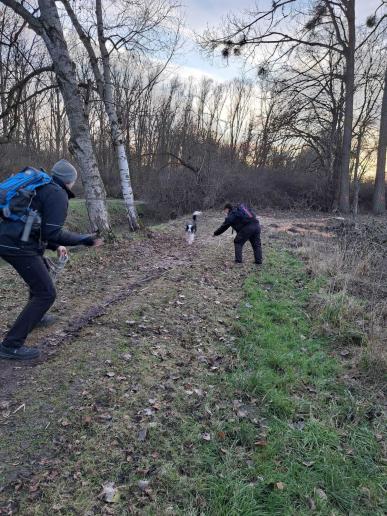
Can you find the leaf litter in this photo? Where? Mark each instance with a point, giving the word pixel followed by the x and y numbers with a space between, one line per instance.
pixel 158 353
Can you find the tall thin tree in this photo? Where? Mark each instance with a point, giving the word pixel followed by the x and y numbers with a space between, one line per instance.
pixel 48 26
pixel 379 198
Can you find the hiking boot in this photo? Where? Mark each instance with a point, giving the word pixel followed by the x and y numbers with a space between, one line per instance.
pixel 46 321
pixel 22 353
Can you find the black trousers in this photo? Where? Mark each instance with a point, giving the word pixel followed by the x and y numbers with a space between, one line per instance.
pixel 251 232
pixel 34 272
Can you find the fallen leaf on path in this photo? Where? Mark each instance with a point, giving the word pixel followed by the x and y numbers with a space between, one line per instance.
pixel 242 413
pixel 87 421
pixel 142 434
pixel 320 494
pixel 110 493
pixel 143 485
pixel 261 443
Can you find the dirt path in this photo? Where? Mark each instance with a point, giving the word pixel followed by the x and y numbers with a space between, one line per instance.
pixel 96 281
pixel 160 306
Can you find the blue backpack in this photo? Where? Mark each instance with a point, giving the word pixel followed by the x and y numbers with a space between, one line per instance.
pixel 245 213
pixel 17 192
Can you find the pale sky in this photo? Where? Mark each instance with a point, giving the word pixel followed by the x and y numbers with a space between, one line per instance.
pixel 202 13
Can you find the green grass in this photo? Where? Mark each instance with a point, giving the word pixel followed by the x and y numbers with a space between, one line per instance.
pixel 78 220
pixel 315 434
pixel 287 436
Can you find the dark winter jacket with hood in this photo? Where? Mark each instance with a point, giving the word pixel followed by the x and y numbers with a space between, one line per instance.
pixel 234 221
pixel 51 202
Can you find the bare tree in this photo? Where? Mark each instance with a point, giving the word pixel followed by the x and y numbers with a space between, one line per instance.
pixel 126 27
pixel 48 26
pixel 105 89
pixel 270 28
pixel 369 86
pixel 379 199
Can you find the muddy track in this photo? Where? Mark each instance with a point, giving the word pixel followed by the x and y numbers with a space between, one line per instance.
pixel 92 313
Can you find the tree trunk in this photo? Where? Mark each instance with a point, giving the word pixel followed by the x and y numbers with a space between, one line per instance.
pixel 50 29
pixel 344 204
pixel 105 91
pixel 115 126
pixel 356 179
pixel 379 198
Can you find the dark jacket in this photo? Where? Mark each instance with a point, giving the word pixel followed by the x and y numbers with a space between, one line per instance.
pixel 234 221
pixel 51 201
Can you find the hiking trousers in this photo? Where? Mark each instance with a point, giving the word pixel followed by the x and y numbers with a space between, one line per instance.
pixel 251 232
pixel 34 272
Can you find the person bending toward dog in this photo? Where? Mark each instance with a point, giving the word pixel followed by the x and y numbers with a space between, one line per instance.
pixel 51 202
pixel 246 224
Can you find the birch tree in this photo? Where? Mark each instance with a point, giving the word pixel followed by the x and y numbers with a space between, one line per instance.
pixel 115 126
pixel 105 90
pixel 48 26
pixel 125 27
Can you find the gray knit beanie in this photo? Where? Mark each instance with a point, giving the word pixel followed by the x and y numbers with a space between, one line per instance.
pixel 64 171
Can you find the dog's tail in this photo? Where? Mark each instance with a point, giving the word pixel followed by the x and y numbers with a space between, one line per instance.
pixel 195 214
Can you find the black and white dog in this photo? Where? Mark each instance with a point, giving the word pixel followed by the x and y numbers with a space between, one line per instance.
pixel 191 228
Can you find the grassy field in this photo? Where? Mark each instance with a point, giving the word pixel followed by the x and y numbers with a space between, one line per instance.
pixel 314 445
pixel 214 391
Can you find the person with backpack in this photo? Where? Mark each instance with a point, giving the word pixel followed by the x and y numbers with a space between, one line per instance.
pixel 244 221
pixel 33 209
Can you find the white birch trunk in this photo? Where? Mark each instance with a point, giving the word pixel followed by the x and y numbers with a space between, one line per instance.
pixel 115 126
